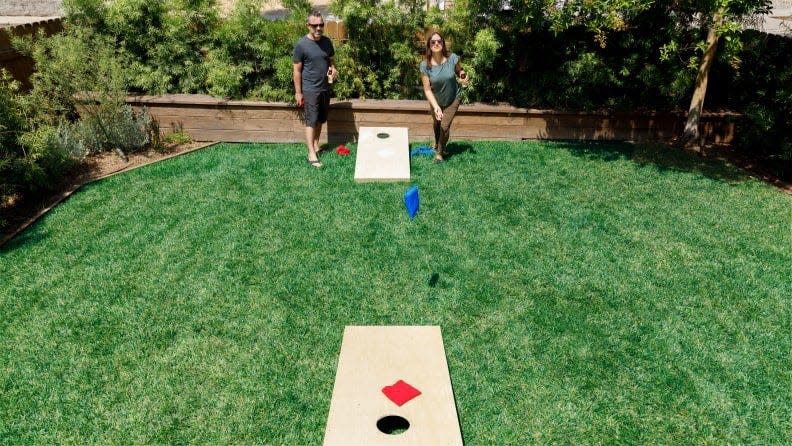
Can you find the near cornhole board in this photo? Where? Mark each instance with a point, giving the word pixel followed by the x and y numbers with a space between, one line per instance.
pixel 383 154
pixel 389 377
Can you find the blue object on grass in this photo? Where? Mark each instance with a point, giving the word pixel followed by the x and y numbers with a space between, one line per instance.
pixel 422 150
pixel 412 201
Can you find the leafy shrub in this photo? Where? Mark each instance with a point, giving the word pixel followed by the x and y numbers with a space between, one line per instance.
pixel 381 57
pixel 484 78
pixel 12 114
pixel 49 156
pixel 32 161
pixel 11 126
pixel 762 86
pixel 111 128
pixel 77 61
pixel 163 42
pixel 248 51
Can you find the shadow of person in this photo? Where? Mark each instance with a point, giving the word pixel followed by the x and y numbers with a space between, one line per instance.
pixel 341 126
pixel 457 148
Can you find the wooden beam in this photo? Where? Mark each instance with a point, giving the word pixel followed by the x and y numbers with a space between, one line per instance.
pixel 207 118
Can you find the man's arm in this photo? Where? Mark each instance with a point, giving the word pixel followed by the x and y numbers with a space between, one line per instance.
pixel 297 76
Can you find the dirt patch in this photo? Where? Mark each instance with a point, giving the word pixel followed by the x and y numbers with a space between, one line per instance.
pixel 20 215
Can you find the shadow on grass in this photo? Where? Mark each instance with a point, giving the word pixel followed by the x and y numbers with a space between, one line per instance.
pixel 458 148
pixel 28 236
pixel 662 157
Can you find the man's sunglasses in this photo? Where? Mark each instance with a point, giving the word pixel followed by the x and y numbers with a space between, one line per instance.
pixel 316 25
pixel 435 42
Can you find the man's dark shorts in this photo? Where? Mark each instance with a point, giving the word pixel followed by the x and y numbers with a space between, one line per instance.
pixel 316 105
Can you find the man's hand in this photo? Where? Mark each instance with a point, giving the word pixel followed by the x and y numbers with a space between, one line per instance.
pixel 299 99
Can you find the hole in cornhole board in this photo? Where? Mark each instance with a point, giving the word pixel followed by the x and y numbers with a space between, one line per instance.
pixel 393 425
pixel 383 135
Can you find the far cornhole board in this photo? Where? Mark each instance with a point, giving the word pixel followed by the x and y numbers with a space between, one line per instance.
pixel 383 154
pixel 373 357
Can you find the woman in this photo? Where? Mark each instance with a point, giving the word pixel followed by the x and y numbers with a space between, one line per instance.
pixel 439 71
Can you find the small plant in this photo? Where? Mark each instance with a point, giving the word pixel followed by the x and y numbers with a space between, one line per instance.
pixel 179 137
pixel 105 128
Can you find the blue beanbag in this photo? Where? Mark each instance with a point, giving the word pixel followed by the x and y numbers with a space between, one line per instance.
pixel 412 201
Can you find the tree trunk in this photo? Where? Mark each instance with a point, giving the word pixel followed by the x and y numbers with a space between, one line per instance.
pixel 690 135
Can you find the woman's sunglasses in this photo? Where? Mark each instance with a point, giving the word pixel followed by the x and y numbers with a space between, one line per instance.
pixel 436 42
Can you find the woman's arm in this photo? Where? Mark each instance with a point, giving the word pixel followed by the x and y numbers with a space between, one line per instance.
pixel 427 88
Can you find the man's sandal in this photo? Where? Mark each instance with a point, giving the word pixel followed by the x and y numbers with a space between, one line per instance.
pixel 315 163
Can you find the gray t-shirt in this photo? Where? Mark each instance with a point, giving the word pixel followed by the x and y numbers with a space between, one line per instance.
pixel 315 57
pixel 443 80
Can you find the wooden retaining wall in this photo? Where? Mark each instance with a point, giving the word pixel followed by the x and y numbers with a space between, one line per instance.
pixel 207 118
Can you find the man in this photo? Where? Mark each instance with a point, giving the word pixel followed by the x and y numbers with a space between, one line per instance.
pixel 314 69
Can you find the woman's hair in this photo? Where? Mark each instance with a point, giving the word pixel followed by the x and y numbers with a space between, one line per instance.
pixel 429 48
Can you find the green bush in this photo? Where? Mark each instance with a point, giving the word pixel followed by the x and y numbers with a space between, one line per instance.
pixel 76 62
pixel 163 42
pixel 11 126
pixel 180 137
pixel 247 54
pixel 12 114
pixel 32 160
pixel 48 156
pixel 762 88
pixel 381 56
pixel 110 128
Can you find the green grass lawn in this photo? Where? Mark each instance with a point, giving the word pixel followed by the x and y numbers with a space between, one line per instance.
pixel 587 294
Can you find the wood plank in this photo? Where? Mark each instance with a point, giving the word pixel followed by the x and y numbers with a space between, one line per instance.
pixel 199 134
pixel 225 123
pixel 240 113
pixel 373 358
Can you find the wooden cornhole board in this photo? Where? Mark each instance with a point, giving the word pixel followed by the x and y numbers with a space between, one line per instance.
pixel 383 154
pixel 373 358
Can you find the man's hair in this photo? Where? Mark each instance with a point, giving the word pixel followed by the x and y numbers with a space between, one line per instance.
pixel 313 13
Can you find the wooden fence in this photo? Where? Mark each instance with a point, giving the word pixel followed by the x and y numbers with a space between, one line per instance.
pixel 207 118
pixel 18 65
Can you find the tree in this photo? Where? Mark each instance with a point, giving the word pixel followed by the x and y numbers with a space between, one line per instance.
pixel 720 19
